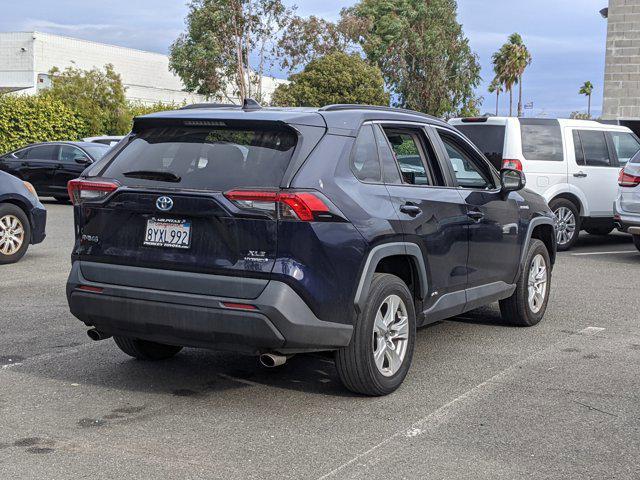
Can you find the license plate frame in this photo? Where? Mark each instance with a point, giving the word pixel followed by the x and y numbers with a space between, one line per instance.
pixel 168 233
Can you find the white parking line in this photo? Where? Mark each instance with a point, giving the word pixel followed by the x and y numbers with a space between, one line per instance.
pixel 604 253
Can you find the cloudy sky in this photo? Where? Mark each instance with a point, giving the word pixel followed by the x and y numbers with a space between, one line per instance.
pixel 566 37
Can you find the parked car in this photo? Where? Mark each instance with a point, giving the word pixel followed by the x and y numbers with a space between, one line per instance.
pixel 573 164
pixel 627 204
pixel 280 231
pixel 109 140
pixel 50 166
pixel 22 218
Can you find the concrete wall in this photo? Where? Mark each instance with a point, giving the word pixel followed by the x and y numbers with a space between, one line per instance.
pixel 26 55
pixel 622 67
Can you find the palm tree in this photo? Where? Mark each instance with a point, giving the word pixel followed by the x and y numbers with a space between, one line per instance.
pixel 509 64
pixel 496 87
pixel 504 70
pixel 521 60
pixel 587 89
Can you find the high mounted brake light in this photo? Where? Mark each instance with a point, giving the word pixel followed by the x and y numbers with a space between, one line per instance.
pixel 89 191
pixel 304 206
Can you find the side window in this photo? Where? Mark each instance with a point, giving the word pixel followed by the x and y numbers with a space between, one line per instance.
pixel 42 152
pixel 365 163
pixel 21 153
pixel 626 146
pixel 68 154
pixel 470 171
pixel 594 145
pixel 541 140
pixel 577 146
pixel 409 156
pixel 390 172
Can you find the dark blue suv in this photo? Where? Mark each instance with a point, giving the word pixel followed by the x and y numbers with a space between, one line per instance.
pixel 281 231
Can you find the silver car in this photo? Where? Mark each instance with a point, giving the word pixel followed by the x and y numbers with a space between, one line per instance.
pixel 627 204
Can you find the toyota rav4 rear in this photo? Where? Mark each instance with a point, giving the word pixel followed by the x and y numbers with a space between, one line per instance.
pixel 188 235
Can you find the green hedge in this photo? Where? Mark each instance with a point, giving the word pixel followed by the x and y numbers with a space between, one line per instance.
pixel 25 120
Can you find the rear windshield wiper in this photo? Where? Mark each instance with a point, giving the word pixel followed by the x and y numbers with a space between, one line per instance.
pixel 153 175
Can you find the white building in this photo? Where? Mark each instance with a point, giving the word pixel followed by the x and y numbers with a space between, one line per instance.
pixel 27 57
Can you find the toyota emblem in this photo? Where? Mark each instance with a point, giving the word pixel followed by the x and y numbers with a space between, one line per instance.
pixel 164 204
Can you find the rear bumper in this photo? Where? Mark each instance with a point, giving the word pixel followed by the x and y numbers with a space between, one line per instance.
pixel 281 321
pixel 623 219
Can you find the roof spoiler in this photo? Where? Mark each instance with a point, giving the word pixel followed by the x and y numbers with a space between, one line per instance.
pixel 248 105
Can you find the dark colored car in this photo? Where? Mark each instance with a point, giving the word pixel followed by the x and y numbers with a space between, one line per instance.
pixel 279 231
pixel 50 166
pixel 22 218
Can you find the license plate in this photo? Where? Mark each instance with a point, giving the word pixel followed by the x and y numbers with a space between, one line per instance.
pixel 167 232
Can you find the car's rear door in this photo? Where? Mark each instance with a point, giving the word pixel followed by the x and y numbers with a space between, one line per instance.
pixel 432 214
pixel 38 167
pixel 191 198
pixel 595 170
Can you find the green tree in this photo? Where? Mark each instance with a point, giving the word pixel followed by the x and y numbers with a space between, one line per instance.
pixel 421 50
pixel 580 116
pixel 31 119
pixel 228 43
pixel 334 78
pixel 97 97
pixel 509 64
pixel 306 39
pixel 496 87
pixel 587 89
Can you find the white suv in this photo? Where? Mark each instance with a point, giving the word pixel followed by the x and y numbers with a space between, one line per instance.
pixel 573 164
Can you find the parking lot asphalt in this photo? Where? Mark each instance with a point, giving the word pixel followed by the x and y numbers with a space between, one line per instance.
pixel 482 400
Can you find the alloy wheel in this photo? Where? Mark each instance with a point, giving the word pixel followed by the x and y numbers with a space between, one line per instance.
pixel 566 225
pixel 11 235
pixel 537 284
pixel 390 335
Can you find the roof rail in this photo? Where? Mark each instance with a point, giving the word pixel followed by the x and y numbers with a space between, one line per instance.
pixel 209 105
pixel 350 106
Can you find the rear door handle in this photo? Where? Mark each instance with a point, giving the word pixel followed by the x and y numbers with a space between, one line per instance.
pixel 580 174
pixel 410 209
pixel 475 215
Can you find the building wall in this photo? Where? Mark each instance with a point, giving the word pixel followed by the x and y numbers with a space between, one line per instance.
pixel 622 66
pixel 146 75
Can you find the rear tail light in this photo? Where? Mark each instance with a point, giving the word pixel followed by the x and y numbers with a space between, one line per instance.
pixel 627 180
pixel 89 191
pixel 515 164
pixel 303 206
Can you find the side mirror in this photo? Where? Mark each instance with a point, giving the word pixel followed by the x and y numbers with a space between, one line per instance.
pixel 82 160
pixel 512 180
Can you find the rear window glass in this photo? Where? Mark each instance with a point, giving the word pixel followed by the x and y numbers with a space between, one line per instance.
pixel 204 158
pixel 541 141
pixel 488 138
pixel 635 158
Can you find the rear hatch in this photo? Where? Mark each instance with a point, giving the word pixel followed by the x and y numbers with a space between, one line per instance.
pixel 166 200
pixel 487 134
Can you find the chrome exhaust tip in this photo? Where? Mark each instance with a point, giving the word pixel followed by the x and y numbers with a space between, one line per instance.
pixel 97 335
pixel 271 360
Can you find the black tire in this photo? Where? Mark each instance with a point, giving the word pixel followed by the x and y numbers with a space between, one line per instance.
pixel 355 363
pixel 516 310
pixel 9 209
pixel 599 230
pixel 636 241
pixel 557 204
pixel 146 350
